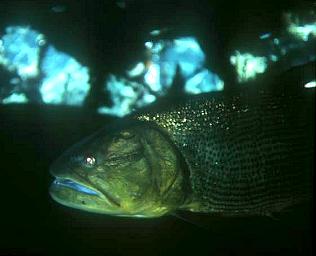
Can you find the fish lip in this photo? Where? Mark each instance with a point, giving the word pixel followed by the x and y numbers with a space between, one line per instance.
pixel 77 180
pixel 76 186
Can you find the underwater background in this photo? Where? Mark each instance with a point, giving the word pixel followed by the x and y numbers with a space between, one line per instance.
pixel 92 47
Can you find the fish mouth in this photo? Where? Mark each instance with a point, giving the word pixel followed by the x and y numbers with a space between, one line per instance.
pixel 61 184
pixel 74 185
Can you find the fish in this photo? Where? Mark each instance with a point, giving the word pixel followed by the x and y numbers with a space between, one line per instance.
pixel 244 153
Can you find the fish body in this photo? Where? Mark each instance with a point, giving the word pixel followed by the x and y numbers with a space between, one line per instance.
pixel 246 153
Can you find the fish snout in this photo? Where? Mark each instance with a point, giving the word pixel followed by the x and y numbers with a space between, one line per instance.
pixel 60 167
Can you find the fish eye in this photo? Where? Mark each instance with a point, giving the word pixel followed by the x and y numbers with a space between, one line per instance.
pixel 89 161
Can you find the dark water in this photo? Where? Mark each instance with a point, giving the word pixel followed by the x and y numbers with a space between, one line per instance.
pixel 31 137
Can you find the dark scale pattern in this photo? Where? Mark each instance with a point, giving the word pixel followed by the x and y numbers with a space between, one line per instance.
pixel 246 154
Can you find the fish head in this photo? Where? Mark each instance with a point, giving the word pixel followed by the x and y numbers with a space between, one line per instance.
pixel 133 172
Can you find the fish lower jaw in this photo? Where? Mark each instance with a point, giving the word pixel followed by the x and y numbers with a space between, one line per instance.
pixel 75 185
